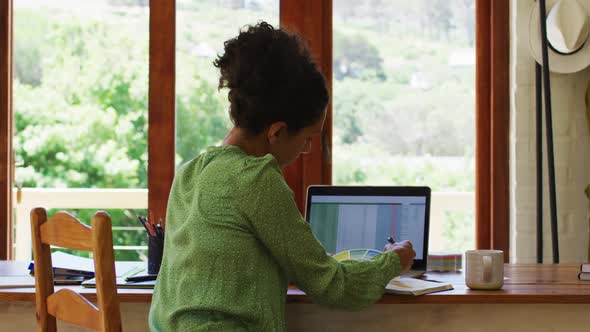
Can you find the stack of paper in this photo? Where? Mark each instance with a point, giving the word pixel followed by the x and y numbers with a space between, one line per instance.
pixel 584 271
pixel 68 268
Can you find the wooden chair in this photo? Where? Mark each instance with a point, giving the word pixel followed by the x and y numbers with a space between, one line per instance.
pixel 64 230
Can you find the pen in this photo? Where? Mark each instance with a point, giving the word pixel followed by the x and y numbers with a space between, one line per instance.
pixel 140 218
pixel 160 231
pixel 146 277
pixel 148 225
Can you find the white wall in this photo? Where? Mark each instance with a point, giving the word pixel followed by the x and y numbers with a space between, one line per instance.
pixel 571 145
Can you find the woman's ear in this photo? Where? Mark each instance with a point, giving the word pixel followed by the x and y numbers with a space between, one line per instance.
pixel 275 131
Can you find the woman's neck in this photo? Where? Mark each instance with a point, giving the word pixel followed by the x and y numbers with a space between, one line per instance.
pixel 251 145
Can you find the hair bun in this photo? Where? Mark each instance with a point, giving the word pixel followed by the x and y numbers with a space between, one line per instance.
pixel 271 77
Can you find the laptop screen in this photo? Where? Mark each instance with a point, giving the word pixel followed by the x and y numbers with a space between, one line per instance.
pixel 345 218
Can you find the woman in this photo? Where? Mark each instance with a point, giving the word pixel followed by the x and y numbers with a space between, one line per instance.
pixel 234 234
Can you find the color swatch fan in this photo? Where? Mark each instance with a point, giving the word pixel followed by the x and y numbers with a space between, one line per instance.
pixel 357 254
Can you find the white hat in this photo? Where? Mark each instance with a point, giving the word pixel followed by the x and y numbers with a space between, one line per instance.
pixel 568 32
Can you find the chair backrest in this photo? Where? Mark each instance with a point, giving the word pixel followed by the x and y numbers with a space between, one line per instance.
pixel 64 230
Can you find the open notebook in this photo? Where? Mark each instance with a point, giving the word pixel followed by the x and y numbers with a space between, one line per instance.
pixel 411 286
pixel 403 285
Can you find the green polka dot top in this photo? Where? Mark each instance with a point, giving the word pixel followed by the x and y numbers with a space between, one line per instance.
pixel 234 238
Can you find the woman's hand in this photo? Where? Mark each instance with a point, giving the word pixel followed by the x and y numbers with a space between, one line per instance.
pixel 405 251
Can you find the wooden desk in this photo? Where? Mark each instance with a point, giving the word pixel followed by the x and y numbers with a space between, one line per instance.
pixel 534 298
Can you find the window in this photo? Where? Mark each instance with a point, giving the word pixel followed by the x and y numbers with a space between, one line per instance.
pixel 80 114
pixel 365 23
pixel 202 117
pixel 404 104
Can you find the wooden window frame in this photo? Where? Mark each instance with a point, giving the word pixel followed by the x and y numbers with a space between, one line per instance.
pixel 492 113
pixel 492 125
pixel 6 129
pixel 162 106
pixel 312 19
pixel 302 16
pixel 161 114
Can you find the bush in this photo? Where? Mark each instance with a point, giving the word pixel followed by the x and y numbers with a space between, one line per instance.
pixel 356 57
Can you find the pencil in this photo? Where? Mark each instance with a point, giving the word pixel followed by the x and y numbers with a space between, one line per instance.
pixel 148 226
pixel 144 225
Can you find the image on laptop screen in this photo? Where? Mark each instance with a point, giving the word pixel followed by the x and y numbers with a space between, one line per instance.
pixel 354 222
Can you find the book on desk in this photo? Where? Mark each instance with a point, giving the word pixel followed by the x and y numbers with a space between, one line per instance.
pixel 70 269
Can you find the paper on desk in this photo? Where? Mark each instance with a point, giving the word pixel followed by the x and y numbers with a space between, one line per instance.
pixel 17 282
pixel 65 261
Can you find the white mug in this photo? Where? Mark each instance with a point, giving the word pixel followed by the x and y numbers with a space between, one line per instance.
pixel 484 269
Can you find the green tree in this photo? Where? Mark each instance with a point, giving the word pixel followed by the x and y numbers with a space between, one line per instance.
pixel 438 17
pixel 201 121
pixel 83 124
pixel 29 36
pixel 81 121
pixel 356 57
pixel 354 102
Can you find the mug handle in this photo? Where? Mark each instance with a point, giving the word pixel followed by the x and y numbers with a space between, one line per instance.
pixel 487 268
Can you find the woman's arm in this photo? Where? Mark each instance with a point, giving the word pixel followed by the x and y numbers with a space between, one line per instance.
pixel 278 224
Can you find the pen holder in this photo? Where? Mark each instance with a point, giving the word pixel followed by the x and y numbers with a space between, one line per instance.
pixel 155 251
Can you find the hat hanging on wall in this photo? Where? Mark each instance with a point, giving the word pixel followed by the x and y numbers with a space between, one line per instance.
pixel 568 34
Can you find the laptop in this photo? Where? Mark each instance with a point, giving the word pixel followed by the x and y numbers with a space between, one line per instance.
pixel 353 217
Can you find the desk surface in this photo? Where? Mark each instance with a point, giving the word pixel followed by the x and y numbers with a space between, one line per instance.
pixel 530 283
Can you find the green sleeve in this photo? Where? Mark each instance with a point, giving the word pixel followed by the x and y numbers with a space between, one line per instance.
pixel 276 221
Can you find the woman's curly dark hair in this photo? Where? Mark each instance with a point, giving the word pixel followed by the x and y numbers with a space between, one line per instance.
pixel 271 77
